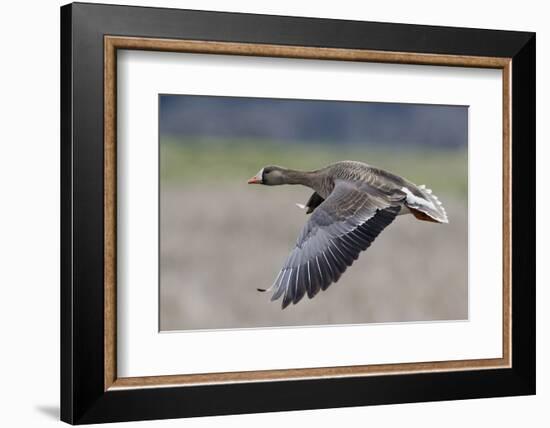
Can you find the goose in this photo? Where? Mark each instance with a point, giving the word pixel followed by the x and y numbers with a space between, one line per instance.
pixel 352 202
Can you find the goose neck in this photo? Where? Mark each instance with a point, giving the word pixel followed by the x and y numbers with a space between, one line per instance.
pixel 305 178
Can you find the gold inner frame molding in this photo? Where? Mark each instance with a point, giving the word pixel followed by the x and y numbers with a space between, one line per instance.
pixel 113 43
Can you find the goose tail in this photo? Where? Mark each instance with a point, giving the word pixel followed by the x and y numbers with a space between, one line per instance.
pixel 426 206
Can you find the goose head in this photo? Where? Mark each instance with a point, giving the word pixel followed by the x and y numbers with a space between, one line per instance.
pixel 270 176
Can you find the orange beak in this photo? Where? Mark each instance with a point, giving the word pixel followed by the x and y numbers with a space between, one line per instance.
pixel 258 178
pixel 255 180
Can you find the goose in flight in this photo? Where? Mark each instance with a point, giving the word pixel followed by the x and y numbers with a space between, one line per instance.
pixel 351 204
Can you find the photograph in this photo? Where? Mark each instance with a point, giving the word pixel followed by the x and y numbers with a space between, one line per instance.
pixel 297 212
pixel 264 211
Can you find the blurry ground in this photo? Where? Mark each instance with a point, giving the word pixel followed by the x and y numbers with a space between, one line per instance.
pixel 221 239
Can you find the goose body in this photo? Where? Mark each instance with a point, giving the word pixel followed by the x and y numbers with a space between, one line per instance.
pixel 351 204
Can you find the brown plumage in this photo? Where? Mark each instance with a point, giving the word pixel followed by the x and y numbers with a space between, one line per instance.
pixel 351 204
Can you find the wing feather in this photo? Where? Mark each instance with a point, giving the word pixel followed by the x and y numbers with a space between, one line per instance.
pixel 343 225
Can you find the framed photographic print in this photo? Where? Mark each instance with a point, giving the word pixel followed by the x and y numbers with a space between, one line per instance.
pixel 265 213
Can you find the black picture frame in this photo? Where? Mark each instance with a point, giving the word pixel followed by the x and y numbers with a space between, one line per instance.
pixel 83 396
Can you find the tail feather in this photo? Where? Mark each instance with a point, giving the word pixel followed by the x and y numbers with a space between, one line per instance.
pixel 427 207
pixel 422 216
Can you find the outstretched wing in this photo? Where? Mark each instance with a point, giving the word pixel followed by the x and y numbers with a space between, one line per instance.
pixel 345 224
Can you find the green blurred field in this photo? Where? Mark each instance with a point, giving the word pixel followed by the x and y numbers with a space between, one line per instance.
pixel 193 160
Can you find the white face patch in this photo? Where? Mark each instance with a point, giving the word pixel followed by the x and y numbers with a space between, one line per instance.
pixel 260 174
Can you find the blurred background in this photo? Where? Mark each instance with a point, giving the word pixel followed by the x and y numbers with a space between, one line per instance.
pixel 221 239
